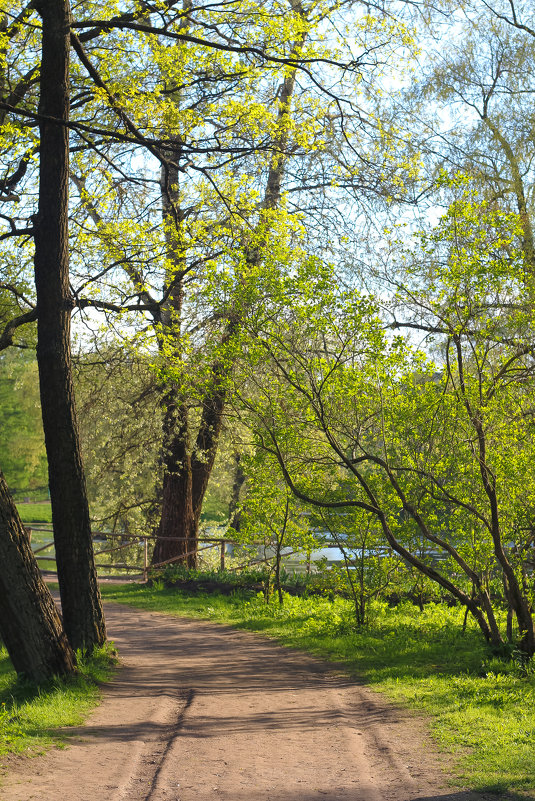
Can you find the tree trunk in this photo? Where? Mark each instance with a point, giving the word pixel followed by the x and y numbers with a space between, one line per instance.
pixel 491 633
pixel 30 625
pixel 278 559
pixel 203 457
pixel 176 534
pixel 177 530
pixel 186 477
pixel 234 513
pixel 80 597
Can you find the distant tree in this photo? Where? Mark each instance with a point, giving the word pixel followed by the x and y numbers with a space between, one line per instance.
pixel 271 518
pixel 120 427
pixel 368 569
pixel 244 130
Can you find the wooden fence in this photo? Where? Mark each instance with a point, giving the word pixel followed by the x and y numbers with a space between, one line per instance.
pixel 206 543
pixel 98 536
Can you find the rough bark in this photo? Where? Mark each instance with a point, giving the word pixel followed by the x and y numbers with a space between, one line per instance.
pixel 177 531
pixel 30 625
pixel 82 609
pixel 186 476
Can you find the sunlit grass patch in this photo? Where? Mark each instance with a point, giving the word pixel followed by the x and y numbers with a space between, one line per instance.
pixel 35 512
pixel 31 717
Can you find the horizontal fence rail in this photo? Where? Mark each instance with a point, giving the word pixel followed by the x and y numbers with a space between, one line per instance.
pixel 207 543
pixel 214 542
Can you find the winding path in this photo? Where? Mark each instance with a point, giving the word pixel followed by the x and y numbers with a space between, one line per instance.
pixel 201 712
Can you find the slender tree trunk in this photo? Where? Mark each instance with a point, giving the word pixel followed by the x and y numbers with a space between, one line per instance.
pixel 491 633
pixel 30 625
pixel 234 513
pixel 278 555
pixel 278 559
pixel 517 601
pixel 82 609
pixel 513 590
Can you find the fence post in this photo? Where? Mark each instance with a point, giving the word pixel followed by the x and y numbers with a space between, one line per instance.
pixel 145 557
pixel 222 565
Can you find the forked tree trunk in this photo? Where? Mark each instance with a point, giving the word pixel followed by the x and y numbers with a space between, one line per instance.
pixel 197 463
pixel 30 625
pixel 80 597
pixel 177 530
pixel 186 475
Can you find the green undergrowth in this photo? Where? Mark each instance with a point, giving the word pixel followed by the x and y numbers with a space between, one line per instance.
pixel 31 717
pixel 481 706
pixel 248 581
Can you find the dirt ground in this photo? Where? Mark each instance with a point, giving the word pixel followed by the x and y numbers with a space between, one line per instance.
pixel 199 711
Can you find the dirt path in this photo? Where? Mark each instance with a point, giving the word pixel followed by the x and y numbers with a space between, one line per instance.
pixel 201 712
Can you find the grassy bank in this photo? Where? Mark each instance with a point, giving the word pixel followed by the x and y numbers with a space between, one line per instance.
pixel 30 717
pixel 35 512
pixel 481 708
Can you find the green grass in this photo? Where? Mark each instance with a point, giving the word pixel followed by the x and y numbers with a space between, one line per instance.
pixel 481 708
pixel 214 511
pixel 35 512
pixel 31 717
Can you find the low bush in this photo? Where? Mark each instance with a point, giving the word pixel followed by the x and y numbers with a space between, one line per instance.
pixel 247 581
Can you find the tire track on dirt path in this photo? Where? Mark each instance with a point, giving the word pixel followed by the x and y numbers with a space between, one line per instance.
pixel 201 712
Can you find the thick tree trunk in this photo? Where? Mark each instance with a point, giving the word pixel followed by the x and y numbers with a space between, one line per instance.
pixel 186 477
pixel 30 625
pixel 177 531
pixel 82 609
